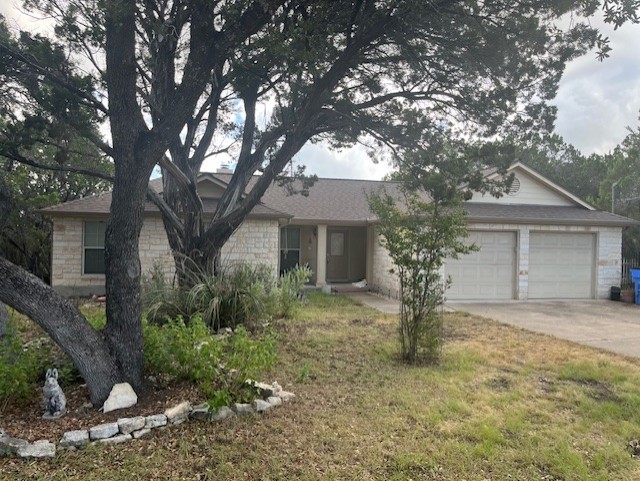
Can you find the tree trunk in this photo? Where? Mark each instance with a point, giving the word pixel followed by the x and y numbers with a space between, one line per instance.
pixel 122 262
pixel 67 327
pixel 4 320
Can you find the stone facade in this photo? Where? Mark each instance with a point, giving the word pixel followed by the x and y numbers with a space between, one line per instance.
pixel 381 280
pixel 256 241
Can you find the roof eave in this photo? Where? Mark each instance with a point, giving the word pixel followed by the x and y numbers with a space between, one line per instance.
pixel 547 221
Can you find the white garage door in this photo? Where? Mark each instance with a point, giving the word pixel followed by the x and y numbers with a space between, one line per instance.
pixel 487 274
pixel 561 265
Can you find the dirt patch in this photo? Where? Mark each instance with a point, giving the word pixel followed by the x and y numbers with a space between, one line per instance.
pixel 547 385
pixel 598 391
pixel 362 322
pixel 499 383
pixel 26 420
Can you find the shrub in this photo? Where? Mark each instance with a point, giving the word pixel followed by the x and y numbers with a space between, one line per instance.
pixel 218 364
pixel 238 294
pixel 22 367
pixel 288 293
pixel 161 299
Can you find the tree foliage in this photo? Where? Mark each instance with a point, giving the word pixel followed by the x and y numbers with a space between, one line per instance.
pixel 26 238
pixel 623 170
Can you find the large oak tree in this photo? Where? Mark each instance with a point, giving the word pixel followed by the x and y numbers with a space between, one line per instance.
pixel 176 80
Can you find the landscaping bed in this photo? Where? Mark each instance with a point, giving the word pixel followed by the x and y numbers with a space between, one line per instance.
pixel 503 404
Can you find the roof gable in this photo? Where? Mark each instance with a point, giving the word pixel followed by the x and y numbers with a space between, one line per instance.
pixel 532 188
pixel 211 186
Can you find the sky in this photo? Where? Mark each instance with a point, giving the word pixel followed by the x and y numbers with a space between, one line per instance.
pixel 596 102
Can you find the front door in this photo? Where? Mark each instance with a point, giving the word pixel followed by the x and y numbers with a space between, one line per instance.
pixel 337 255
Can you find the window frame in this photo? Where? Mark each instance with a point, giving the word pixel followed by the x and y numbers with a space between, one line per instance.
pixel 85 247
pixel 286 228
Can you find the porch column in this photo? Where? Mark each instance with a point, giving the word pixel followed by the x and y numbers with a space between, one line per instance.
pixel 371 238
pixel 321 274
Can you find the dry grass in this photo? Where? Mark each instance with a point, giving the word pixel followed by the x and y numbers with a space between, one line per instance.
pixel 503 404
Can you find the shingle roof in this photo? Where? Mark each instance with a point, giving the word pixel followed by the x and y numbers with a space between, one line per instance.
pixel 344 201
pixel 335 200
pixel 543 214
pixel 99 204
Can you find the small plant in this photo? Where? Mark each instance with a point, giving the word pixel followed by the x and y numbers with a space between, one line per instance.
pixel 289 290
pixel 219 364
pixel 304 373
pixel 22 366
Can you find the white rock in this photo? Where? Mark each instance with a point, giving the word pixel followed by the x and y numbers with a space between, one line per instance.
pixel 129 425
pixel 9 445
pixel 200 412
pixel 142 432
pixel 222 413
pixel 243 409
pixel 277 389
pixel 178 414
pixel 261 406
pixel 103 431
pixel 74 439
pixel 264 390
pixel 122 396
pixel 274 401
pixel 39 449
pixel 155 421
pixel 286 396
pixel 119 439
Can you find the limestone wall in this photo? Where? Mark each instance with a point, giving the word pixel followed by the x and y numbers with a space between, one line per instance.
pixel 256 241
pixel 381 280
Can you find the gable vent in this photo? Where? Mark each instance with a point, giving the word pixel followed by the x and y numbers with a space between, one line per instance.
pixel 515 187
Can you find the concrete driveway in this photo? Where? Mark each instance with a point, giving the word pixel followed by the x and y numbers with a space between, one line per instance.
pixel 613 326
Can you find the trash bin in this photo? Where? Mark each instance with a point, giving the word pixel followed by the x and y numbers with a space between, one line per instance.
pixel 615 293
pixel 635 278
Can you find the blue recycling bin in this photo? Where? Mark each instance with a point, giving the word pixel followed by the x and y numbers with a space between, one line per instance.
pixel 635 278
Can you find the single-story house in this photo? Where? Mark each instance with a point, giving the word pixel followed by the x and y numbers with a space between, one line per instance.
pixel 538 241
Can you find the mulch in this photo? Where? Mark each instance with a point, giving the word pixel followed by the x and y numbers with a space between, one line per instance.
pixel 25 420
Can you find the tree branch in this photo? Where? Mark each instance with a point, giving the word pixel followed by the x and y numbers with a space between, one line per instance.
pixel 59 168
pixel 86 99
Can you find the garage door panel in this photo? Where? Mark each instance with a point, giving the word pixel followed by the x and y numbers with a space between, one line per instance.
pixel 488 273
pixel 561 265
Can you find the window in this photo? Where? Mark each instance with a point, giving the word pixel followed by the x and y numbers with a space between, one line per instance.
pixel 289 248
pixel 93 248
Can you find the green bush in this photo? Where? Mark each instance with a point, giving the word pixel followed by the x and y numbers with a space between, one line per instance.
pixel 218 364
pixel 238 294
pixel 161 300
pixel 22 367
pixel 288 293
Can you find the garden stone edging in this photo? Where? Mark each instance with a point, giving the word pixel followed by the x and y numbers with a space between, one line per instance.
pixel 126 429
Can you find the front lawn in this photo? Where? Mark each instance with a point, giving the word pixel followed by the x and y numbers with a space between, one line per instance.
pixel 503 404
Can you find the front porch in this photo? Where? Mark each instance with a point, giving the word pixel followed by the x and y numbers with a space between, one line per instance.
pixel 336 254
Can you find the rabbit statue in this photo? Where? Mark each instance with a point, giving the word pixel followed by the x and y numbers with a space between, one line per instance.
pixel 55 403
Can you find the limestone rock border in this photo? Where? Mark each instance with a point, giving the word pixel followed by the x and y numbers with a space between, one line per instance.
pixel 126 429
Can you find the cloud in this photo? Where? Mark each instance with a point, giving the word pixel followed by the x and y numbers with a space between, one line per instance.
pixel 353 163
pixel 597 100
